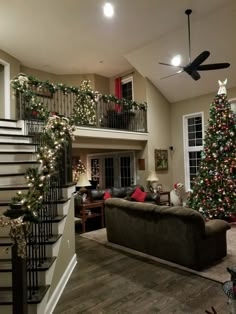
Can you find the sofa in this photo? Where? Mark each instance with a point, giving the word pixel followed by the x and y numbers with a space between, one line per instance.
pixel 124 193
pixel 173 233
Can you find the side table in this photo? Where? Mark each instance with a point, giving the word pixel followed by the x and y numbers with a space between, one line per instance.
pixel 165 198
pixel 89 210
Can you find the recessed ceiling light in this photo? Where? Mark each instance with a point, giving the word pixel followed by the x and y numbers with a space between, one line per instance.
pixel 176 60
pixel 108 9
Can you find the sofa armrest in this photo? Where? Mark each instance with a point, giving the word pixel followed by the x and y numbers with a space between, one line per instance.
pixel 216 226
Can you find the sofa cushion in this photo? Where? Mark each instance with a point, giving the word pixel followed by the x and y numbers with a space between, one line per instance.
pixel 118 192
pixel 130 189
pixel 107 195
pixel 139 195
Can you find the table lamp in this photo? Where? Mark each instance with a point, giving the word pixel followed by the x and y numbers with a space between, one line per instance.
pixel 83 182
pixel 153 179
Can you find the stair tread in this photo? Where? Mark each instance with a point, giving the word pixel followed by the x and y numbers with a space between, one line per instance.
pixel 8 120
pixel 14 187
pixel 15 135
pixel 55 219
pixel 4 241
pixel 60 201
pixel 12 174
pixel 51 240
pixel 6 295
pixel 6 264
pixel 10 152
pixel 10 127
pixel 21 162
pixel 16 143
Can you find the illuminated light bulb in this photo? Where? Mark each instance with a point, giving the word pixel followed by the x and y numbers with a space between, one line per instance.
pixel 176 60
pixel 108 10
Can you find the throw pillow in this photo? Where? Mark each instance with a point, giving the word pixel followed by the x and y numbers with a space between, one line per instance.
pixel 106 195
pixel 139 195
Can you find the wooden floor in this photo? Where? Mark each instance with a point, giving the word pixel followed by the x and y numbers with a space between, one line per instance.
pixel 108 281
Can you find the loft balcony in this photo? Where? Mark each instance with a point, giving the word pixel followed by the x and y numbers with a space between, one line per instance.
pixel 89 109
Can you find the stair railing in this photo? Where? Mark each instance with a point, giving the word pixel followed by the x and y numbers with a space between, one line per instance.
pixel 41 233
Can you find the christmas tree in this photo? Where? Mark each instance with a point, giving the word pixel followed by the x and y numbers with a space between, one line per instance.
pixel 214 189
pixel 78 170
pixel 84 110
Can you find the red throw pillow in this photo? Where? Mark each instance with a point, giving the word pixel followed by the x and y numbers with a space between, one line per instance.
pixel 106 195
pixel 139 195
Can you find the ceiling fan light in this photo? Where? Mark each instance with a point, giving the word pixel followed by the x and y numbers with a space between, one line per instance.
pixel 176 60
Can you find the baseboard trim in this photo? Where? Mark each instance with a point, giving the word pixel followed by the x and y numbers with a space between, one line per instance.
pixel 61 285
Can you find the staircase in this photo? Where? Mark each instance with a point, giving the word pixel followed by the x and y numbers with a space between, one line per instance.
pixel 47 241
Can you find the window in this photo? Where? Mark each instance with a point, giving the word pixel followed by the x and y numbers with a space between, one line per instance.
pixel 112 169
pixel 4 89
pixel 127 88
pixel 193 146
pixel 233 106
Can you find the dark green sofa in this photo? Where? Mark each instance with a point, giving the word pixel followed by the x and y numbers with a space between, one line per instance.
pixel 124 193
pixel 177 234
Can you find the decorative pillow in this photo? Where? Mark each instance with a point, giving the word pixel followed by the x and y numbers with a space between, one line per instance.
pixel 139 195
pixel 106 195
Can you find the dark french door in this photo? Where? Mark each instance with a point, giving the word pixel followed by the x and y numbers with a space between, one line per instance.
pixel 113 170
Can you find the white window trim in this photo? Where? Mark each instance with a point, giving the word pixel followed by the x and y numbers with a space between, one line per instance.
pixel 7 105
pixel 188 149
pixel 233 101
pixel 128 79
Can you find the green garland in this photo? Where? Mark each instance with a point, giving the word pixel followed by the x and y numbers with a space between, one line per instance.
pixel 22 83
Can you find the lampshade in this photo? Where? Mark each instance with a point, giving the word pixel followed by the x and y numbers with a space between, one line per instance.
pixel 83 181
pixel 152 176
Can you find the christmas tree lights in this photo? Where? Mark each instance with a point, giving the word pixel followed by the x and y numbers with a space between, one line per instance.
pixel 214 189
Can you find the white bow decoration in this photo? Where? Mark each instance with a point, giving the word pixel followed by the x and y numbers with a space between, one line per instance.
pixel 222 87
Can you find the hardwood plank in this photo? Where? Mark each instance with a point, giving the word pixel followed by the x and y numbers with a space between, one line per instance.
pixel 109 281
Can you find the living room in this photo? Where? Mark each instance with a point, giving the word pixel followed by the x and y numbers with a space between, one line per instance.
pixel 170 102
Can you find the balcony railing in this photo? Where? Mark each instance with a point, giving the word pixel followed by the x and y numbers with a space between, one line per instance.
pixel 92 110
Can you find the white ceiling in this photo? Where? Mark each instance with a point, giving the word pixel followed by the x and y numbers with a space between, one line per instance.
pixel 73 37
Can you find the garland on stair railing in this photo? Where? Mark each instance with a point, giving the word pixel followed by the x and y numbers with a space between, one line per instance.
pixel 24 207
pixel 57 130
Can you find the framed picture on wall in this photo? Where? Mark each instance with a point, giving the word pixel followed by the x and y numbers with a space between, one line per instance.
pixel 161 159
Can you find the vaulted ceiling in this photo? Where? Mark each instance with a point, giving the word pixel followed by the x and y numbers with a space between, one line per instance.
pixel 73 37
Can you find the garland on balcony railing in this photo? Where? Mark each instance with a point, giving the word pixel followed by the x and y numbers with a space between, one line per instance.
pixel 24 207
pixel 20 81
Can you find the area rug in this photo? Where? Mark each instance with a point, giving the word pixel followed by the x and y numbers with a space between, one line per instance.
pixel 216 272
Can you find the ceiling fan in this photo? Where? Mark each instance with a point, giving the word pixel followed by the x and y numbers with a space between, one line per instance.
pixel 194 66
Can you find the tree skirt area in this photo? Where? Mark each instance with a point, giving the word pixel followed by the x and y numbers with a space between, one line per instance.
pixel 215 272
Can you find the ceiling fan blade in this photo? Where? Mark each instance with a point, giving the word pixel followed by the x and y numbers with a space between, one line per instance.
pixel 195 75
pixel 171 65
pixel 200 59
pixel 213 66
pixel 180 71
